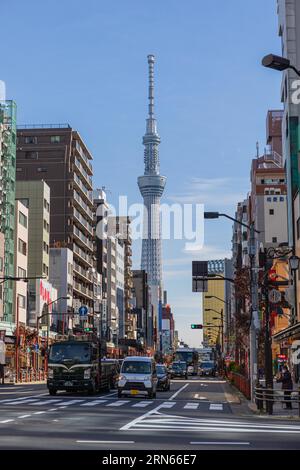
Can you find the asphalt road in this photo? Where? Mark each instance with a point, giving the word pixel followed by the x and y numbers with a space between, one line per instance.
pixel 194 414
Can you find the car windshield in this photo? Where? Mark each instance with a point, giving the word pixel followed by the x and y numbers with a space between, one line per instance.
pixel 136 367
pixel 179 365
pixel 160 369
pixel 207 364
pixel 74 353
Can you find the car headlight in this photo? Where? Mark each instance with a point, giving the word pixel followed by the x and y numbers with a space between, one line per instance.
pixel 50 373
pixel 87 374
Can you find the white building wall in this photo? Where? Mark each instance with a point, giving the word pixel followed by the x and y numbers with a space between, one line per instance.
pixel 21 263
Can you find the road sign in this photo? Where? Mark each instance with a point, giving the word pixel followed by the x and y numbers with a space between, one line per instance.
pixel 83 311
pixel 274 296
pixel 76 319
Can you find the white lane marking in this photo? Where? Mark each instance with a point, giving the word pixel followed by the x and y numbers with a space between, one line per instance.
pixel 6 421
pixel 203 443
pixel 93 403
pixel 39 412
pixel 178 391
pixel 191 406
pixel 24 416
pixel 61 407
pixel 106 442
pixel 46 402
pixel 53 409
pixel 142 404
pixel 21 402
pixel 216 407
pixel 118 403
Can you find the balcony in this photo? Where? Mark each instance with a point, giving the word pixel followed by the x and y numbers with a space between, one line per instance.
pixel 83 205
pixel 82 221
pixel 83 173
pixel 84 190
pixel 84 256
pixel 86 161
pixel 82 272
pixel 77 233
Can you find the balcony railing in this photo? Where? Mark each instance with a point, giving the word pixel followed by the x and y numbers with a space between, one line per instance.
pixel 82 254
pixel 83 172
pixel 82 220
pixel 84 206
pixel 83 238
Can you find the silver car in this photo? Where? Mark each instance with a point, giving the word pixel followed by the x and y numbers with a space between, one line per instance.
pixel 138 376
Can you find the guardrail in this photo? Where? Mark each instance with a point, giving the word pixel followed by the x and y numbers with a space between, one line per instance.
pixel 266 398
pixel 25 376
pixel 241 382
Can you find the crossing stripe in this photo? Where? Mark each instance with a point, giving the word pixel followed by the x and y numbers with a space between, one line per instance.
pixel 93 403
pixel 191 406
pixel 46 402
pixel 216 407
pixel 21 402
pixel 168 404
pixel 142 404
pixel 118 403
pixel 71 402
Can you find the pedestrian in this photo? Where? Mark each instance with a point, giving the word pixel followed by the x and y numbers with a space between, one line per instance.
pixel 2 360
pixel 287 385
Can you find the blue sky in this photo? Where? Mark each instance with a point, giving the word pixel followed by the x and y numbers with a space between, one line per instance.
pixel 85 63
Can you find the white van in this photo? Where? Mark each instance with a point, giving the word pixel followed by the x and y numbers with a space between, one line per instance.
pixel 138 377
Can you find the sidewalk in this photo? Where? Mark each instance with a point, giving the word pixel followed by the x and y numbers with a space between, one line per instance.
pixel 13 384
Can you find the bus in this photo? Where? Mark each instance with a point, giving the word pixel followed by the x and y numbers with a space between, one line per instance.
pixel 190 356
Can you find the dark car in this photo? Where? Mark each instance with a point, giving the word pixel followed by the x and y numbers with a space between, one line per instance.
pixel 207 368
pixel 163 377
pixel 179 369
pixel 114 373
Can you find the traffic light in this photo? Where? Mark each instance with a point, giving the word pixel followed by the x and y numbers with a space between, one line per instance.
pixel 196 327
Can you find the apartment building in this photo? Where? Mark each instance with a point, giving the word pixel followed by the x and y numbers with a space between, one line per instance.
pixel 35 195
pixel 269 189
pixel 7 202
pixel 58 155
pixel 1 273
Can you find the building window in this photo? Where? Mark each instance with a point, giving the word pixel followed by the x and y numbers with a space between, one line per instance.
pixel 0 292
pixel 274 240
pixel 1 263
pixel 19 169
pixel 31 155
pixel 271 211
pixel 25 202
pixel 22 301
pixel 45 269
pixel 22 247
pixel 23 219
pixel 21 272
pixel 30 140
pixel 46 205
pixel 55 139
pixel 46 248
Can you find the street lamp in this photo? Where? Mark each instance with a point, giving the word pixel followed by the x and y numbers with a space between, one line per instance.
pixel 294 263
pixel 279 63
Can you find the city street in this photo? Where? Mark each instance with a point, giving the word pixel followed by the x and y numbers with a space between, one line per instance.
pixel 199 413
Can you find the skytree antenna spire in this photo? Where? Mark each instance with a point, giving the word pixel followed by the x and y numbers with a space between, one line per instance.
pixel 151 186
pixel 151 85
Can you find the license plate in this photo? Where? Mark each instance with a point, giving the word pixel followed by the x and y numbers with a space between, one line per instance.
pixel 134 392
pixel 68 384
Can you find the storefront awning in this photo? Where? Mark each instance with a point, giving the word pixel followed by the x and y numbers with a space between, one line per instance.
pixel 290 332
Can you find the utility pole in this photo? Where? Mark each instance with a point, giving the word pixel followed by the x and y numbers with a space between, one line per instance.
pixel 253 311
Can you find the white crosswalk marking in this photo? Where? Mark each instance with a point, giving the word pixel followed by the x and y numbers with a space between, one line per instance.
pixel 118 403
pixel 168 404
pixel 191 406
pixel 71 402
pixel 46 402
pixel 93 403
pixel 142 404
pixel 21 402
pixel 216 407
pixel 155 420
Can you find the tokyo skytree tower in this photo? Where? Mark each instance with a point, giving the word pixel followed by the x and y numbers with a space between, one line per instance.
pixel 151 186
